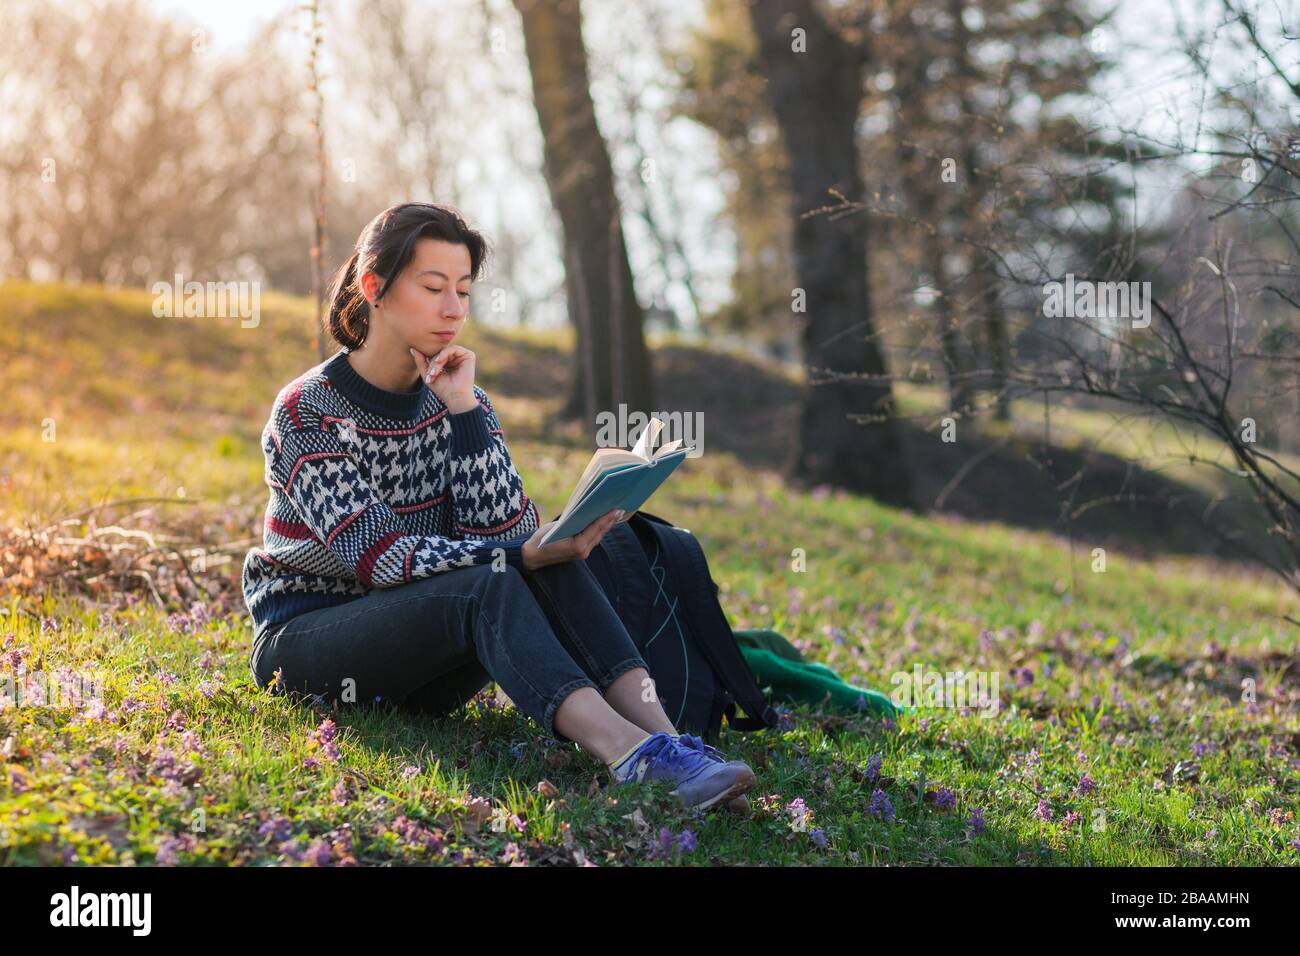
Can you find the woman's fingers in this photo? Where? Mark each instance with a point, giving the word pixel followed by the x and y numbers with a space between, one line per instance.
pixel 591 535
pixel 422 363
pixel 448 360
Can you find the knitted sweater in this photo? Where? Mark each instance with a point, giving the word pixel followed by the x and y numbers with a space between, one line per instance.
pixel 373 489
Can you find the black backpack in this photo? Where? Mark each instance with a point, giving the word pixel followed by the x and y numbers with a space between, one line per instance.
pixel 657 579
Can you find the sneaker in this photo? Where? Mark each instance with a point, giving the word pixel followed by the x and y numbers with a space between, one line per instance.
pixel 738 804
pixel 697 743
pixel 701 780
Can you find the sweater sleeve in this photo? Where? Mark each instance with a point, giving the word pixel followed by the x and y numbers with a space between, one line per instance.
pixel 486 489
pixel 343 510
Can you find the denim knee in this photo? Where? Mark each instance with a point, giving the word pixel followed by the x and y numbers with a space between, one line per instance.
pixel 485 575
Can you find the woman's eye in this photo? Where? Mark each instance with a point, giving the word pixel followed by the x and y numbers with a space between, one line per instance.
pixel 463 294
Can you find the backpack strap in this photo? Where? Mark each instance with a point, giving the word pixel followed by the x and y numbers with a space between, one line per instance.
pixel 630 579
pixel 714 637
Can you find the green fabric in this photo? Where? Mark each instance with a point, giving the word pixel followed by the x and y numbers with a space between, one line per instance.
pixel 768 640
pixel 779 665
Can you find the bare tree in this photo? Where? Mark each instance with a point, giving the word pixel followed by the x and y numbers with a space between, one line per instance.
pixel 125 132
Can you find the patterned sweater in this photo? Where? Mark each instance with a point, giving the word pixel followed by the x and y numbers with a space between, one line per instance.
pixel 373 489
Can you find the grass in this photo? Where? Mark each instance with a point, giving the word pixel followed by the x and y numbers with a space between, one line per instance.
pixel 1122 736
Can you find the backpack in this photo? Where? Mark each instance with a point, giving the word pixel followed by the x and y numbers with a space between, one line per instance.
pixel 657 579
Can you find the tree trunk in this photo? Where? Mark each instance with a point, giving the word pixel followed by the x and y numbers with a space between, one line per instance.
pixel 611 364
pixel 816 96
pixel 986 297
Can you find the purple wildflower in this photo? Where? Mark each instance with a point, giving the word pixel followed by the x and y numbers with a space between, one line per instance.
pixel 881 806
pixel 976 821
pixel 416 834
pixel 17 780
pixel 513 856
pixel 199 613
pixel 800 814
pixel 166 853
pixel 686 840
pixel 322 738
pixel 818 836
pixel 319 853
pixel 1086 785
pixel 945 799
pixel 1070 819
pixel 873 768
pixel 663 844
pixel 1043 811
pixel 276 829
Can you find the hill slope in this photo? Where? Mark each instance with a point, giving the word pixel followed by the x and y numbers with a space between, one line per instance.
pixel 1131 676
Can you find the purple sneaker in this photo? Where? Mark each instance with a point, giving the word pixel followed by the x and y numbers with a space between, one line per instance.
pixel 697 743
pixel 702 781
pixel 738 804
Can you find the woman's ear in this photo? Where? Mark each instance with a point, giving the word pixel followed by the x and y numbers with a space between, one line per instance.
pixel 370 285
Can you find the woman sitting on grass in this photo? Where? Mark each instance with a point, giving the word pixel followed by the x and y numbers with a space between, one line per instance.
pixel 401 558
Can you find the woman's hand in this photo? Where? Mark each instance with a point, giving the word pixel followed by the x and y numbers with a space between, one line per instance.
pixel 450 376
pixel 576 548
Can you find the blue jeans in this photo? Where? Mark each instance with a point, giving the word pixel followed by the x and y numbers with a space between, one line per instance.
pixel 434 643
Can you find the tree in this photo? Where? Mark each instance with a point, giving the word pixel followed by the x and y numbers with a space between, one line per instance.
pixel 612 364
pixel 847 434
pixel 150 132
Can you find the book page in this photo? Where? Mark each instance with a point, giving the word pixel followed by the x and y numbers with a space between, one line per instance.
pixel 647 439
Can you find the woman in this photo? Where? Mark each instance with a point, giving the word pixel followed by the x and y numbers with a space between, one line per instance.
pixel 401 558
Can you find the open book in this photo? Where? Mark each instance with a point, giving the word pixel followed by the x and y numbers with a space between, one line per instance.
pixel 615 478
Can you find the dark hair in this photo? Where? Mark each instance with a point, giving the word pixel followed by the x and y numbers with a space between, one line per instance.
pixel 385 246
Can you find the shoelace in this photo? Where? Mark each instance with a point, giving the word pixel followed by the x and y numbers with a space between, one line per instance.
pixel 652 749
pixel 667 753
pixel 696 743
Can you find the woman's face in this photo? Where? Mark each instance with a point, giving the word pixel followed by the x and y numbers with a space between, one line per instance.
pixel 426 306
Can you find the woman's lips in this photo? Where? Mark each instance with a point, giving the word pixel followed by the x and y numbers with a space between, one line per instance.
pixel 446 335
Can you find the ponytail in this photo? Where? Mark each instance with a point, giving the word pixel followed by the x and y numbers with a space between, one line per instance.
pixel 349 318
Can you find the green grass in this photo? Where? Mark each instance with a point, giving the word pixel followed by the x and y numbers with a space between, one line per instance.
pixel 1136 672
